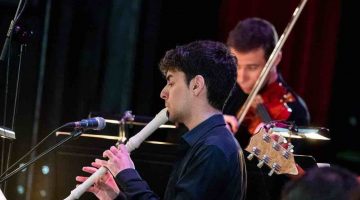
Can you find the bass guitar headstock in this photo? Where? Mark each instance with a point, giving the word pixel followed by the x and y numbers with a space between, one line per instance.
pixel 273 151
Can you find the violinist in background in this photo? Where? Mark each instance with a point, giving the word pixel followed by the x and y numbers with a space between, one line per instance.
pixel 252 42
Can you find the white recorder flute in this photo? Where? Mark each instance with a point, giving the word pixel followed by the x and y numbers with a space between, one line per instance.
pixel 133 143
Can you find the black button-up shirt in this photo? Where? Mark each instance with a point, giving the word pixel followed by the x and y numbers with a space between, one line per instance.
pixel 208 167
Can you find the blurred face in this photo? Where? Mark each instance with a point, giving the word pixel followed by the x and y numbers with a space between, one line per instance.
pixel 176 94
pixel 249 67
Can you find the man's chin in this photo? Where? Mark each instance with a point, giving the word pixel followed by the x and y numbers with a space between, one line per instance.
pixel 172 118
pixel 246 91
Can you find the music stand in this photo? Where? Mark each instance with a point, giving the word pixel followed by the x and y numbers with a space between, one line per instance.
pixel 305 161
pixel 7 133
pixel 313 133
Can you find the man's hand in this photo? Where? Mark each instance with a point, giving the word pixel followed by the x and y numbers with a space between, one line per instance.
pixel 105 187
pixel 119 159
pixel 231 123
pixel 257 100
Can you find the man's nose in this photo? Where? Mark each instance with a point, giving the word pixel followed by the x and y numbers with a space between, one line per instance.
pixel 242 75
pixel 164 93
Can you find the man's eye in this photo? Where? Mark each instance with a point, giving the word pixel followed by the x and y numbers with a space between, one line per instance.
pixel 253 67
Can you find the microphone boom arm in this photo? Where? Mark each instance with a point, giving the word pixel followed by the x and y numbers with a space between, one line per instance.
pixel 74 134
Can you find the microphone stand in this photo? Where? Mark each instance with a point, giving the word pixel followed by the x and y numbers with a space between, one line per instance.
pixel 9 33
pixel 6 52
pixel 75 134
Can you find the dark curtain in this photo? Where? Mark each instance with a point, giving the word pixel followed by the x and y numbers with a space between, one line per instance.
pixel 88 67
pixel 90 60
pixel 309 53
pixel 345 109
pixel 163 25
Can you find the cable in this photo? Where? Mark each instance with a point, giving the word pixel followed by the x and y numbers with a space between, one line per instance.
pixel 32 149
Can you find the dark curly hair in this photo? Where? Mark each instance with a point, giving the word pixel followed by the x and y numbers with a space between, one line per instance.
pixel 210 59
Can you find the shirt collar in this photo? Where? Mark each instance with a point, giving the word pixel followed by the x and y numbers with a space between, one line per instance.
pixel 202 129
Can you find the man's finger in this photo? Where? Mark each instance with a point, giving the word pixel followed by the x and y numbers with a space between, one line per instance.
pixel 96 165
pixel 108 154
pixel 92 190
pixel 90 170
pixel 232 123
pixel 81 178
pixel 123 148
pixel 114 150
pixel 101 162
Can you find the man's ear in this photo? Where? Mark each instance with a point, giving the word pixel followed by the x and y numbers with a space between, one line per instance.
pixel 197 84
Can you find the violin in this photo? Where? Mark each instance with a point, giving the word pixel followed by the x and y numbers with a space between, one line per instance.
pixel 275 98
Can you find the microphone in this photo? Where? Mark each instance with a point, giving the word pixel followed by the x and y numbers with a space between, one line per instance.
pixel 96 123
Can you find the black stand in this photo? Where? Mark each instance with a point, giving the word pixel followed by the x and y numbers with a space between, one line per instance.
pixel 7 42
pixel 76 133
pixel 10 31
